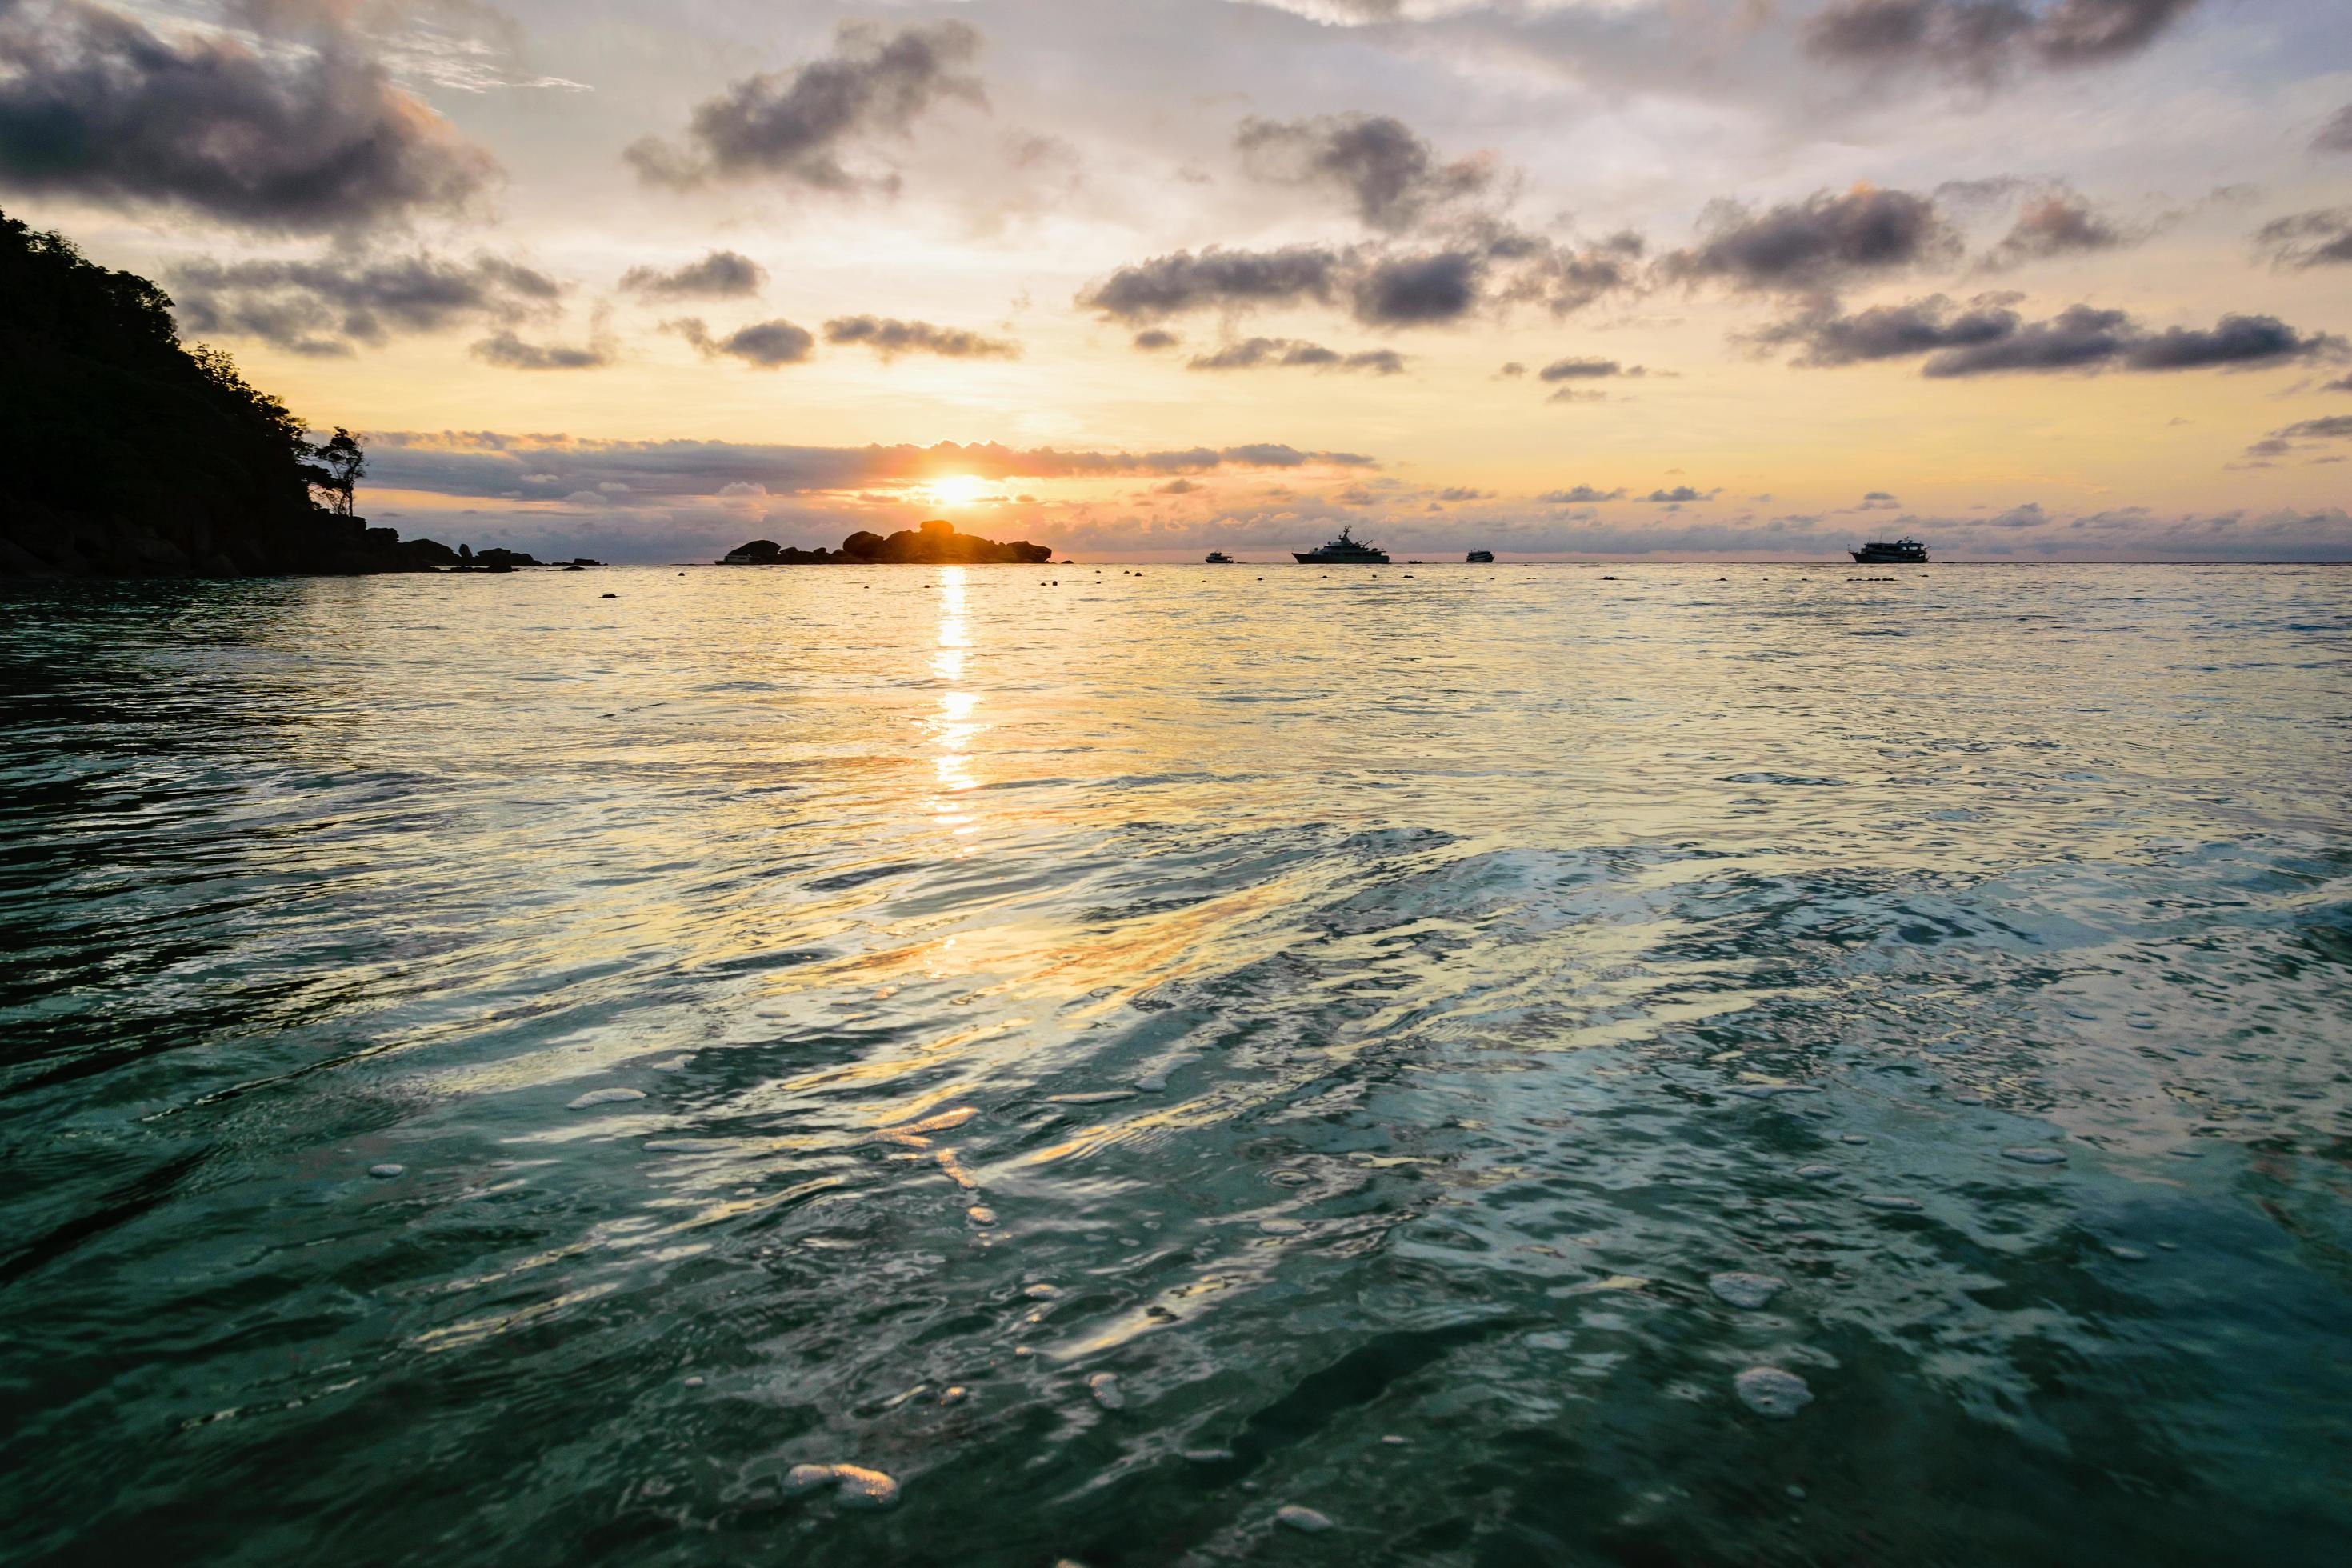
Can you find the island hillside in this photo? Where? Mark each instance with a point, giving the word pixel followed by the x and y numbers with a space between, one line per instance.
pixel 124 453
pixel 934 543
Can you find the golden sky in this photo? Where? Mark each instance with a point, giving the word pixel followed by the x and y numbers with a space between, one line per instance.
pixel 1607 278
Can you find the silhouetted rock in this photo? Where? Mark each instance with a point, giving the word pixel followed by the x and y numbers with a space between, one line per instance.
pixel 935 543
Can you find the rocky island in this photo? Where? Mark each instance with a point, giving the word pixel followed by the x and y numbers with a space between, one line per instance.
pixel 933 543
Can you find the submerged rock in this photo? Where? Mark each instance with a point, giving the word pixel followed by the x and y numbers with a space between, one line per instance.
pixel 1749 1291
pixel 1770 1392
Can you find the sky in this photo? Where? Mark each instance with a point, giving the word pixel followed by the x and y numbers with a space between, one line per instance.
pixel 1718 280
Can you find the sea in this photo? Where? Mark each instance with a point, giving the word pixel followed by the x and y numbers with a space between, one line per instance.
pixel 1107 1065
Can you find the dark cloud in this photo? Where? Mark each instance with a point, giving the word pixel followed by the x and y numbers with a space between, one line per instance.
pixel 2336 136
pixel 1254 353
pixel 1576 394
pixel 1989 337
pixel 1981 39
pixel 1490 265
pixel 510 352
pixel 1153 339
pixel 325 306
pixel 1893 331
pixel 890 338
pixel 2341 384
pixel 1586 370
pixel 1458 494
pixel 764 344
pixel 308 136
pixel 1216 279
pixel 2308 239
pixel 1815 246
pixel 1679 494
pixel 2331 427
pixel 1578 495
pixel 796 125
pixel 721 275
pixel 1877 495
pixel 1394 179
pixel 2234 340
pixel 1513 368
pixel 2058 224
pixel 1419 291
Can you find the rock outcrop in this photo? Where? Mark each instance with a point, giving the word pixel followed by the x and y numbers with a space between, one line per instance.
pixel 934 543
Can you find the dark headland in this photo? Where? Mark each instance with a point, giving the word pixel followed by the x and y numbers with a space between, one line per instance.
pixel 934 543
pixel 125 453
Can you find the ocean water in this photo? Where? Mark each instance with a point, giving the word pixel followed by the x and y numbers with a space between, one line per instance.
pixel 493 1074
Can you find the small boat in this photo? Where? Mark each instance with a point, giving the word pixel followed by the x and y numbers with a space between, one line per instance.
pixel 1479 558
pixel 1904 549
pixel 1345 551
pixel 1219 558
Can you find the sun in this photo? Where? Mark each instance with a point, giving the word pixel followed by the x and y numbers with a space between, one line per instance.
pixel 958 490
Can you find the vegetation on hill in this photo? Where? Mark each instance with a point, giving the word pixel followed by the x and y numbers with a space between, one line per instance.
pixel 125 453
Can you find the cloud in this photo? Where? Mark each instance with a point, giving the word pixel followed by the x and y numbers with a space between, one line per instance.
pixel 1461 493
pixel 1419 291
pixel 1893 331
pixel 2333 426
pixel 494 464
pixel 1393 178
pixel 764 344
pixel 1514 368
pixel 2308 239
pixel 1679 494
pixel 1254 353
pixel 797 125
pixel 890 338
pixel 510 352
pixel 721 275
pixel 2341 384
pixel 1154 338
pixel 306 137
pixel 1989 337
pixel 1578 495
pixel 1586 370
pixel 1215 279
pixel 1983 38
pixel 2058 224
pixel 1176 488
pixel 1488 266
pixel 2336 136
pixel 327 306
pixel 1815 246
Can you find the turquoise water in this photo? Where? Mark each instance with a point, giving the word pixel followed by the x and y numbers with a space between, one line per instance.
pixel 836 1016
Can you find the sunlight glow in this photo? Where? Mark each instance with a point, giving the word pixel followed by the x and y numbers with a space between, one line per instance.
pixel 958 490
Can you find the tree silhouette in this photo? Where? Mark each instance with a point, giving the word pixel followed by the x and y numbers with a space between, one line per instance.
pixel 339 461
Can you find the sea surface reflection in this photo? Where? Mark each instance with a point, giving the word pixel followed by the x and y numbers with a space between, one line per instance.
pixel 498 1075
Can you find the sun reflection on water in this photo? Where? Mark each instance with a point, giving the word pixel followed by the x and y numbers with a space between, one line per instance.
pixel 954 728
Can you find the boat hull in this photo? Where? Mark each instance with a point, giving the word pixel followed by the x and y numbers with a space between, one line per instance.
pixel 1317 557
pixel 1885 558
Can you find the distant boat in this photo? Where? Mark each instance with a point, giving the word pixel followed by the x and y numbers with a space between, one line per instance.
pixel 1344 551
pixel 1219 558
pixel 1904 549
pixel 1479 558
